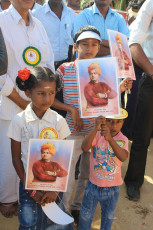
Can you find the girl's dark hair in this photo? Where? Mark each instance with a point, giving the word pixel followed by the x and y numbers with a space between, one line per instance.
pixel 84 29
pixel 37 75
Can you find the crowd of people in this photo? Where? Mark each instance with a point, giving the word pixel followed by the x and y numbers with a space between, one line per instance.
pixel 39 48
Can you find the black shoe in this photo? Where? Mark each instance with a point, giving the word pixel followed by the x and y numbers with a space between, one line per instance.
pixel 76 214
pixel 133 192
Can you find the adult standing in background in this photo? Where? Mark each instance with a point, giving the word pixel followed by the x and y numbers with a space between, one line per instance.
pixel 27 45
pixel 3 55
pixel 141 34
pixel 102 17
pixel 131 106
pixel 4 4
pixel 58 20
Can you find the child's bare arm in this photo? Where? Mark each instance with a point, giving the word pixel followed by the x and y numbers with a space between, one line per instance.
pixel 74 113
pixel 87 143
pixel 120 153
pixel 16 158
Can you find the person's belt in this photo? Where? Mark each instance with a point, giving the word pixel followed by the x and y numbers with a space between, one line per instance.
pixel 58 63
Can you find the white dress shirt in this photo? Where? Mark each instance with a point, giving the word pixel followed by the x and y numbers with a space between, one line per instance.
pixel 17 38
pixel 142 29
pixel 36 7
pixel 59 31
pixel 26 125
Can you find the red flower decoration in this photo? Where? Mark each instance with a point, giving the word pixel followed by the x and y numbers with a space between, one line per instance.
pixel 24 74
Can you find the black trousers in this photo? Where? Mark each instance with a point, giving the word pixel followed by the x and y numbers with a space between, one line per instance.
pixel 131 107
pixel 142 133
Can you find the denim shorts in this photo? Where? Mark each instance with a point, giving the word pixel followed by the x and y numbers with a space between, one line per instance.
pixel 31 215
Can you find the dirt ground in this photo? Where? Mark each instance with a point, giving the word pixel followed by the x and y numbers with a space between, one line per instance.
pixel 129 215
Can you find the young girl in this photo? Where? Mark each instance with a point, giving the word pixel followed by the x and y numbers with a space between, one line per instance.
pixel 40 85
pixel 109 148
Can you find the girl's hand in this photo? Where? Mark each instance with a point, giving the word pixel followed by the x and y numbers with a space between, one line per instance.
pixel 48 197
pixel 99 121
pixel 37 196
pixel 105 132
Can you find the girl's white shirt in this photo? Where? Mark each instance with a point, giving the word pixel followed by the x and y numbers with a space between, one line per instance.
pixel 26 125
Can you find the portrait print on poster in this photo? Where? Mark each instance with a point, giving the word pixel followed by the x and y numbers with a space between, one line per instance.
pixel 48 164
pixel 120 49
pixel 98 87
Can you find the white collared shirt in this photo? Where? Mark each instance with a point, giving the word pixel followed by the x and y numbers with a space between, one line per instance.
pixel 17 38
pixel 36 7
pixel 26 125
pixel 59 31
pixel 142 29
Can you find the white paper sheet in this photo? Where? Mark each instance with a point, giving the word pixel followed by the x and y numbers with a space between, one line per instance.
pixel 55 214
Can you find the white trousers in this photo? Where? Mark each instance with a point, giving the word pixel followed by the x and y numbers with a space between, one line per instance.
pixel 8 176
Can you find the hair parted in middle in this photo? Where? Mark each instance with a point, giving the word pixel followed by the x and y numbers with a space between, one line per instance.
pixel 49 146
pixel 94 65
pixel 36 76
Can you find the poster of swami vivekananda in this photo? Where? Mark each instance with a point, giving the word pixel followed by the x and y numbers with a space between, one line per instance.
pixel 98 87
pixel 48 164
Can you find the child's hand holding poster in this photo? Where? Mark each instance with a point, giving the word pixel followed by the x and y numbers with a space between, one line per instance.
pixel 98 87
pixel 120 49
pixel 48 164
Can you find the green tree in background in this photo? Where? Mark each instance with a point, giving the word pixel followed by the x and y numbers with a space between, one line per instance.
pixel 124 4
pixel 83 2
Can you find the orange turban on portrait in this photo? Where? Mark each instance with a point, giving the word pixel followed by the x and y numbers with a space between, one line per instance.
pixel 118 37
pixel 49 146
pixel 94 65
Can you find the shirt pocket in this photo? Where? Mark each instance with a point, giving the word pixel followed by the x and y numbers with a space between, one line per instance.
pixel 67 32
pixel 43 48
